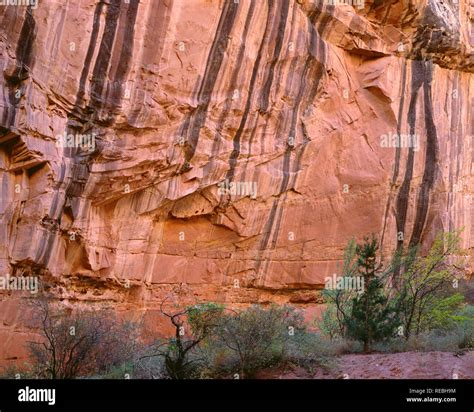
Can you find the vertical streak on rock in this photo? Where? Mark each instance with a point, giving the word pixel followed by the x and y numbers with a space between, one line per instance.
pixel 431 157
pixel 276 87
pixel 233 82
pixel 238 134
pixel 24 62
pixel 457 125
pixel 421 75
pixel 313 70
pixel 79 98
pixel 396 167
pixel 153 45
pixel 255 70
pixel 75 169
pixel 317 61
pixel 213 65
pixel 404 192
pixel 288 55
pixel 265 95
pixel 112 97
pixel 272 226
pixel 79 165
pixel 101 66
pixel 455 141
pixel 89 55
pixel 58 33
pixel 114 94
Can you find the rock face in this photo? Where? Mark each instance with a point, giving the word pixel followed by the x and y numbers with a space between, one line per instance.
pixel 225 150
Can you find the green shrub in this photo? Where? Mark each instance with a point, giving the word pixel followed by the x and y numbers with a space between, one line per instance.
pixel 425 294
pixel 465 327
pixel 443 313
pixel 329 324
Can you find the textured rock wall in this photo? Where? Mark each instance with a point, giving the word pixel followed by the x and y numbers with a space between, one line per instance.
pixel 289 101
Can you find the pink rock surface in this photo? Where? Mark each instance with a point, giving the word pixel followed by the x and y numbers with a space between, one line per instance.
pixel 287 100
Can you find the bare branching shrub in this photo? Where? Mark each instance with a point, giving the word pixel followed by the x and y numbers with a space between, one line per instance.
pixel 79 344
pixel 192 326
pixel 258 337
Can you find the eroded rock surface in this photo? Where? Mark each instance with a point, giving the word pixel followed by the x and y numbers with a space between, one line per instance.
pixel 292 102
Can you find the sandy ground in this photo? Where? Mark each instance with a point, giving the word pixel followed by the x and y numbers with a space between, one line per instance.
pixel 406 365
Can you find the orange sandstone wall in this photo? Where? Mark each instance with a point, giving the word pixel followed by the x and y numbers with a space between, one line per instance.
pixel 227 150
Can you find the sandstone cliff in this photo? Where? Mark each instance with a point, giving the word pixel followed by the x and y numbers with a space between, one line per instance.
pixel 234 147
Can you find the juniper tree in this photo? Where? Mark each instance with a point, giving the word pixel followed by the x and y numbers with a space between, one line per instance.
pixel 372 317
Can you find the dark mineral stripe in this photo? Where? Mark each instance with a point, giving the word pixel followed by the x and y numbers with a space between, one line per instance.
pixel 126 54
pixel 431 156
pixel 312 74
pixel 74 176
pixel 267 231
pixel 396 167
pixel 78 102
pixel 265 95
pixel 273 223
pixel 89 55
pixel 153 46
pixel 283 188
pixel 24 51
pixel 238 135
pixel 276 87
pixel 213 65
pixel 277 82
pixel 404 192
pixel 311 58
pixel 101 66
pixel 24 63
pixel 314 77
pixel 235 75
